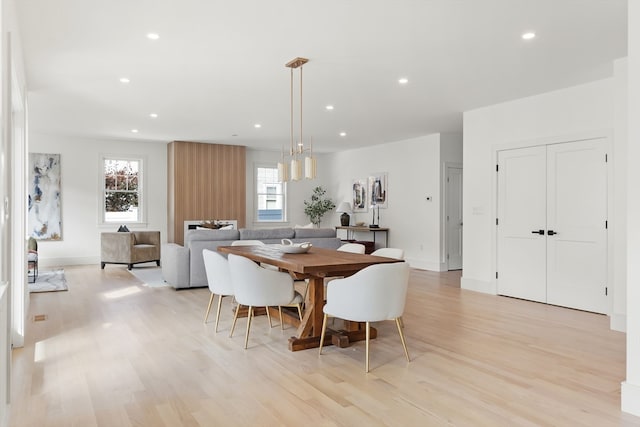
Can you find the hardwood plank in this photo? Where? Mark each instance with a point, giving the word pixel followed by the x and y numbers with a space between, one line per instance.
pixel 114 352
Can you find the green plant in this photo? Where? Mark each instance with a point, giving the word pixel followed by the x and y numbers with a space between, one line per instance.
pixel 318 205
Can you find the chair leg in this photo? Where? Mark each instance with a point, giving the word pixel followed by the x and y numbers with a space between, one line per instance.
pixel 401 321
pixel 249 315
pixel 324 329
pixel 281 322
pixel 269 317
pixel 235 317
pixel 404 344
pixel 300 311
pixel 218 312
pixel 206 315
pixel 368 335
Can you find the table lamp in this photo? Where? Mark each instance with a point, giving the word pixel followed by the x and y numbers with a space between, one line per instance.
pixel 345 208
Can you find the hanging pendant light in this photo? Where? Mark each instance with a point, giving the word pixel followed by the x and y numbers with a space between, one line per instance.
pixel 297 150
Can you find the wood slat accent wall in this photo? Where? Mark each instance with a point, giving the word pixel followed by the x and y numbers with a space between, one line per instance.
pixel 205 181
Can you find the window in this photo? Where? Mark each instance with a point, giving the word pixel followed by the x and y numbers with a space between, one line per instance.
pixel 121 190
pixel 270 195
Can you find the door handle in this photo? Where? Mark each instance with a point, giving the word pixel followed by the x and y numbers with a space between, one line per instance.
pixel 551 232
pixel 540 232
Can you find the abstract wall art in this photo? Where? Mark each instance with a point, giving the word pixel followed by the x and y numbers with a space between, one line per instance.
pixel 45 218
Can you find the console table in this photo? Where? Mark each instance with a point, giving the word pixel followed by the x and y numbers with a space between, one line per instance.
pixel 351 230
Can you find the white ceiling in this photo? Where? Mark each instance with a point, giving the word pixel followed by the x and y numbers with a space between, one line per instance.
pixel 218 66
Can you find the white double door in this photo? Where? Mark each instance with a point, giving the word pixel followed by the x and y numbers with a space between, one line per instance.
pixel 552 232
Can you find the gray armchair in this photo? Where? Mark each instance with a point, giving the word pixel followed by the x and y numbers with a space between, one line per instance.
pixel 129 248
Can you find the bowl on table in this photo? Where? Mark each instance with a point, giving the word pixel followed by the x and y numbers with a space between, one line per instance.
pixel 288 247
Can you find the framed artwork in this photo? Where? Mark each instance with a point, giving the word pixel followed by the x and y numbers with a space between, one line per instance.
pixel 360 195
pixel 378 190
pixel 45 218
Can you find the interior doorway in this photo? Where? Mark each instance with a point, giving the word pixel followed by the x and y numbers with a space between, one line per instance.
pixel 453 216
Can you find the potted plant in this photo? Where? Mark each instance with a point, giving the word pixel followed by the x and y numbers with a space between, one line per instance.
pixel 318 206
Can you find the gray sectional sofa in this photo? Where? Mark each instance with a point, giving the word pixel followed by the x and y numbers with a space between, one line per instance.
pixel 183 266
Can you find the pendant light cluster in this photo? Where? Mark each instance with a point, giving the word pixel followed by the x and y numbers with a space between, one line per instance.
pixel 297 151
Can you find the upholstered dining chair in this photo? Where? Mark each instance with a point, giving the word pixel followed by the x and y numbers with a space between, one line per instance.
pixel 219 279
pixel 373 294
pixel 396 253
pixel 355 248
pixel 254 286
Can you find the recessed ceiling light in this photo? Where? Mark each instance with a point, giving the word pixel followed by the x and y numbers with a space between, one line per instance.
pixel 403 81
pixel 329 107
pixel 153 36
pixel 528 36
pixel 134 130
pixel 257 126
pixel 343 134
pixel 153 115
pixel 124 80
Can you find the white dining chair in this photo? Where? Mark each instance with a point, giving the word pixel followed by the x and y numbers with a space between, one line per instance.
pixel 355 248
pixel 219 279
pixel 396 253
pixel 373 294
pixel 271 267
pixel 254 286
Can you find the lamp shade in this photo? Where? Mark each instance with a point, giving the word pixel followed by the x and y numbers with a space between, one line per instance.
pixel 344 207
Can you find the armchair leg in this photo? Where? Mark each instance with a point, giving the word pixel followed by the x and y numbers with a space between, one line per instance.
pixel 324 329
pixel 404 344
pixel 206 315
pixel 158 262
pixel 102 264
pixel 129 266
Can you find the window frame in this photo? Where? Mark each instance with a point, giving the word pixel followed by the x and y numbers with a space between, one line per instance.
pixel 256 195
pixel 142 205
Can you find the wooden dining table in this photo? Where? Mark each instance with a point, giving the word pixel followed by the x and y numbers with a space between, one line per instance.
pixel 314 265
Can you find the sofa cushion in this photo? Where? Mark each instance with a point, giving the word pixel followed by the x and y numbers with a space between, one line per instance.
pixel 311 233
pixel 198 235
pixel 266 234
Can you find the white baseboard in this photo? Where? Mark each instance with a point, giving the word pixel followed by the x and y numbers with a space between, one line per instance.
pixel 630 398
pixel 477 285
pixel 55 262
pixel 618 322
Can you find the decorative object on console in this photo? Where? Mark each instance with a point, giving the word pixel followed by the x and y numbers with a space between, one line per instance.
pixel 296 150
pixel 345 208
pixel 123 229
pixel 375 224
pixel 360 195
pixel 318 205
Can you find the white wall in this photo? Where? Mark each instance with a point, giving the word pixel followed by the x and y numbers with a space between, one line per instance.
pixel 581 110
pixel 81 193
pixel 297 191
pixel 631 387
pixel 414 169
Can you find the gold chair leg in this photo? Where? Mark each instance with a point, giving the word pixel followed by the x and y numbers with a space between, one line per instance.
pixel 300 311
pixel 249 315
pixel 269 317
pixel 235 317
pixel 281 322
pixel 218 312
pixel 368 335
pixel 401 321
pixel 206 315
pixel 324 329
pixel 404 344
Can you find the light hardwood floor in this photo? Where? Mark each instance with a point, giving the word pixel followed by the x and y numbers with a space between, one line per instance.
pixel 113 352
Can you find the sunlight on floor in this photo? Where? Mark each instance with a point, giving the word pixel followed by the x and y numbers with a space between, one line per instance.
pixel 120 293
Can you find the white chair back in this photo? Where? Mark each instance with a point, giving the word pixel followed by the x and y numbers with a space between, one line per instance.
pixel 373 294
pixel 218 274
pixel 355 248
pixel 257 286
pixel 247 243
pixel 389 253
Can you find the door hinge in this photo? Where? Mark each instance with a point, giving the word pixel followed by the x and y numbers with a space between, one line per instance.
pixel 496 274
pixel 606 291
pixel 606 225
pixel 606 158
pixel 497 167
pixel 496 221
pixel 447 179
pixel 447 256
